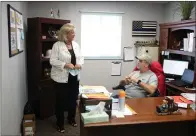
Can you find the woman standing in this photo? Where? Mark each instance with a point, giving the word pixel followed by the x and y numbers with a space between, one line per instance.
pixel 65 58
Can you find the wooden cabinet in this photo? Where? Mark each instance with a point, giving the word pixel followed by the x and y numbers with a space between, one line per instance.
pixel 171 40
pixel 163 39
pixel 40 39
pixel 153 51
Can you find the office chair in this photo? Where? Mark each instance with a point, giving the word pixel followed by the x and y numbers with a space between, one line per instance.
pixel 158 70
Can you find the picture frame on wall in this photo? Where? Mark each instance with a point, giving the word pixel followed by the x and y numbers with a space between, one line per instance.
pixel 15 31
pixel 128 54
pixel 116 68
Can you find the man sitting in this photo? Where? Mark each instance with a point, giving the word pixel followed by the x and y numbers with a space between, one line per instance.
pixel 140 83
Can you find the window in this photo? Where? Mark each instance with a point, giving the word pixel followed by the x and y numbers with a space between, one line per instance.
pixel 101 35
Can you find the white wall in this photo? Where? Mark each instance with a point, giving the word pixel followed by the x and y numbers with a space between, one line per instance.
pixel 97 72
pixel 14 92
pixel 171 15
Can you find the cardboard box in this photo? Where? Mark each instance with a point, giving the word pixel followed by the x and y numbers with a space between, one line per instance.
pixel 29 127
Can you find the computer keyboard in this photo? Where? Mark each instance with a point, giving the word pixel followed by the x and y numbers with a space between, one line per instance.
pixel 179 83
pixel 170 79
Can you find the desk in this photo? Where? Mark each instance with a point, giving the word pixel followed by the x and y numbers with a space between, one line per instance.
pixel 145 123
pixel 175 90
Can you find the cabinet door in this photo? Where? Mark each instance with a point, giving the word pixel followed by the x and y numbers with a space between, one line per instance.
pixel 163 39
pixel 47 101
pixel 152 51
pixel 194 82
pixel 195 62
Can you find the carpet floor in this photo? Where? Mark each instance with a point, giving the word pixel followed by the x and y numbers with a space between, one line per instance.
pixel 47 127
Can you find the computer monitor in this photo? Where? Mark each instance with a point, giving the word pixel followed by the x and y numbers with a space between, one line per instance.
pixel 188 76
pixel 174 67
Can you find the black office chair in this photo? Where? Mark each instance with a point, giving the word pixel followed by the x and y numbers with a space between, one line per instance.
pixel 155 94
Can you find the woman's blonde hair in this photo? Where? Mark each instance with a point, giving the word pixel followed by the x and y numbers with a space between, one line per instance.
pixel 63 32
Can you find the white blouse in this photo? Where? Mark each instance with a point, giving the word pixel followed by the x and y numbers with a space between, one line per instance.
pixel 59 57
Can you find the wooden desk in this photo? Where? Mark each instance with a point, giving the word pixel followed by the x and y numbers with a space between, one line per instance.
pixel 175 90
pixel 145 123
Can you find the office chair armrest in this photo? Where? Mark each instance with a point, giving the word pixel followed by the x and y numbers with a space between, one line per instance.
pixel 155 94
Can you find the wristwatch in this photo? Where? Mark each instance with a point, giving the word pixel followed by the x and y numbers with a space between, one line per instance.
pixel 139 81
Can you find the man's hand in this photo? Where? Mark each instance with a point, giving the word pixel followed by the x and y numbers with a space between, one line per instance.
pixel 127 79
pixel 132 80
pixel 123 82
pixel 69 66
pixel 77 66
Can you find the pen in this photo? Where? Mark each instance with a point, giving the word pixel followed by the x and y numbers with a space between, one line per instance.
pixel 182 99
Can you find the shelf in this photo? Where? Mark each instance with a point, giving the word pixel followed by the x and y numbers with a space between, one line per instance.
pixel 48 82
pixel 40 85
pixel 181 52
pixel 53 21
pixel 49 40
pixel 145 45
pixel 45 59
pixel 182 89
pixel 44 80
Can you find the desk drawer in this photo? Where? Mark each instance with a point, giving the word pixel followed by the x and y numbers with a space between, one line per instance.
pixel 172 91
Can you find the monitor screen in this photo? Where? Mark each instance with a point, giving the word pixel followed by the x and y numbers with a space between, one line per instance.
pixel 188 76
pixel 175 67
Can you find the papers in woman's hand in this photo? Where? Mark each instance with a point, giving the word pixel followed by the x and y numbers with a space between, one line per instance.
pixel 74 72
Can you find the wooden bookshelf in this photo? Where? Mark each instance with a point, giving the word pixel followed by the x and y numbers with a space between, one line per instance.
pixel 171 39
pixel 145 45
pixel 48 40
pixel 45 59
pixel 40 87
pixel 181 52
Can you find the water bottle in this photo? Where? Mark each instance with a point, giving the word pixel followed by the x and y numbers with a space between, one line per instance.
pixel 121 100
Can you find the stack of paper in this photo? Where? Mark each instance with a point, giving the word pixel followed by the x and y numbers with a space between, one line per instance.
pixel 117 113
pixel 94 92
pixel 115 110
pixel 97 96
pixel 182 101
pixel 93 89
pixel 189 96
pixel 189 44
pixel 186 44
